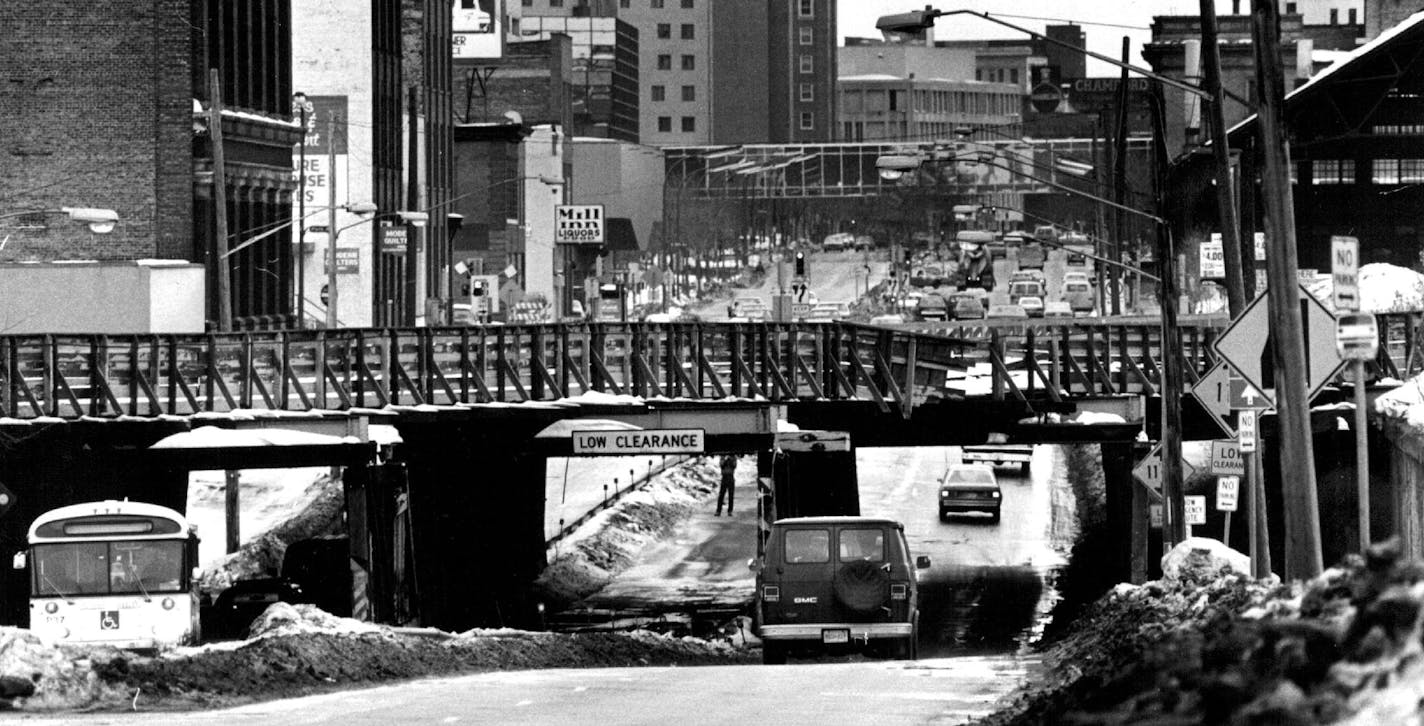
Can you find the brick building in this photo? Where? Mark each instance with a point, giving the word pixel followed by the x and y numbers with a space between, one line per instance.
pixel 99 112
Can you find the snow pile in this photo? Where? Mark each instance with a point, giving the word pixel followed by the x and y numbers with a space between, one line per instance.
pixel 212 436
pixel 1203 558
pixel 40 675
pixel 1214 646
pixel 279 507
pixel 1384 288
pixel 1402 412
pixel 586 561
pixel 287 619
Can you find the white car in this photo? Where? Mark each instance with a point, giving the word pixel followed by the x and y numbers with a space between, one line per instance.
pixel 1033 305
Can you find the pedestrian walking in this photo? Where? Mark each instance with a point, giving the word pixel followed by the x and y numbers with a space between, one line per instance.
pixel 729 483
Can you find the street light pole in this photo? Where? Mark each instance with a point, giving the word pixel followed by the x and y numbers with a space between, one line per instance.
pixel 1297 461
pixel 331 319
pixel 303 106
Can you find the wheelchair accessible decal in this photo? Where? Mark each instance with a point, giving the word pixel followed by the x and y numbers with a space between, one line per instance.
pixel 109 620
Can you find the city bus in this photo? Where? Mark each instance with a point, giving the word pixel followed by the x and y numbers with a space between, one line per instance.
pixel 114 573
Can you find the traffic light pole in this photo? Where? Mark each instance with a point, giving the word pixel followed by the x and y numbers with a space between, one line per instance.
pixel 1297 460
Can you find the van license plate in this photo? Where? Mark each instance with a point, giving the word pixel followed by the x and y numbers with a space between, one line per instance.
pixel 835 636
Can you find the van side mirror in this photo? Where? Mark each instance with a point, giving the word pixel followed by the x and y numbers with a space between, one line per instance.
pixel 754 564
pixel 20 561
pixel 922 562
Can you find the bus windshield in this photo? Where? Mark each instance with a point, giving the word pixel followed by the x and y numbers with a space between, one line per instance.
pixel 137 567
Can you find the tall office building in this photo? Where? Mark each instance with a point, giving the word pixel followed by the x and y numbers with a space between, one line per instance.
pixel 729 71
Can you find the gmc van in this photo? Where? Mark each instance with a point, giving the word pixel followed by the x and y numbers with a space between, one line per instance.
pixel 837 584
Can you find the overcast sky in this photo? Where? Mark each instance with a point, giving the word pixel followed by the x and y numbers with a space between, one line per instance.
pixel 857 18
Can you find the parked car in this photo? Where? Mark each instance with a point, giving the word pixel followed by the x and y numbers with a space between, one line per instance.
pixel 967 307
pixel 864 242
pixel 1032 305
pixel 837 584
pixel 1032 256
pixel 1007 312
pixel 970 488
pixel 1057 309
pixel 1081 302
pixel 838 242
pixel 932 307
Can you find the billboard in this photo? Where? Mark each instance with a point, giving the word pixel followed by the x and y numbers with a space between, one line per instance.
pixel 314 175
pixel 477 29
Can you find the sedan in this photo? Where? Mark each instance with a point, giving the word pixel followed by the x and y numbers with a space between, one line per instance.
pixel 970 488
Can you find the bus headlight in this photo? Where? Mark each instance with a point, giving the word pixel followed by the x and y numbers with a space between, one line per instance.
pixel 51 607
pixel 167 603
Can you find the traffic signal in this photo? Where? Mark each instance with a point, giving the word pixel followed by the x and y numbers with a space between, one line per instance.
pixel 477 288
pixel 801 263
pixel 7 500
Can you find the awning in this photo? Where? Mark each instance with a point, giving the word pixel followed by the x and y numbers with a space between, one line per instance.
pixel 621 236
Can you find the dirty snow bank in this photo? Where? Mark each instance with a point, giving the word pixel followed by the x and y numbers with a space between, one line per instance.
pixel 1215 646
pixel 585 562
pixel 302 650
pixel 1384 288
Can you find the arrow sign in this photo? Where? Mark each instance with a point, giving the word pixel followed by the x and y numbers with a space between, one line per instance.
pixel 1246 345
pixel 1149 472
pixel 1246 397
pixel 1214 393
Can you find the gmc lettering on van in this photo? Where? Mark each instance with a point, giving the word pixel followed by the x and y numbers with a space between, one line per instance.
pixel 806 600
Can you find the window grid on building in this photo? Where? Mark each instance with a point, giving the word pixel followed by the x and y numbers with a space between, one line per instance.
pixel 806 8
pixel 807 36
pixel 807 92
pixel 689 63
pixel 665 124
pixel 689 124
pixel 1397 129
pixel 664 30
pixel 664 62
pixel 807 63
pixel 1332 171
pixel 689 31
pixel 808 121
pixel 659 93
pixel 689 93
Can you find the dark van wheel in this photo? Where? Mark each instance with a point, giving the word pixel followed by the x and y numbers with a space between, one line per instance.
pixel 1024 468
pixel 862 587
pixel 773 653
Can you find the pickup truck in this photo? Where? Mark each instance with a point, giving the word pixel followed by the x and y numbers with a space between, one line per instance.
pixel 1000 455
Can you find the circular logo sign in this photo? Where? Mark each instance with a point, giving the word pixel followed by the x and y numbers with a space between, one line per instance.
pixel 1045 97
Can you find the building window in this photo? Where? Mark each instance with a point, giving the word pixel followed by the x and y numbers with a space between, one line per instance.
pixel 659 93
pixel 556 3
pixel 689 63
pixel 1398 129
pixel 665 124
pixel 689 124
pixel 664 62
pixel 808 64
pixel 807 92
pixel 808 36
pixel 1014 75
pixel 658 5
pixel 625 3
pixel 1351 14
pixel 664 30
pixel 1335 171
pixel 689 93
pixel 1385 171
pixel 808 121
pixel 687 4
pixel 1291 9
pixel 1411 171
pixel 1334 16
pixel 689 31
pixel 806 8
pixel 978 74
pixel 527 3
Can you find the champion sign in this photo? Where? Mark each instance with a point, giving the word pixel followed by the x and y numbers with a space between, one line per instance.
pixel 578 224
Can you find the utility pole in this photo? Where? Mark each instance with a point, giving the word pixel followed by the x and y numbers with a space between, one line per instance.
pixel 412 203
pixel 303 107
pixel 1114 275
pixel 1236 296
pixel 1297 461
pixel 1174 528
pixel 331 319
pixel 215 135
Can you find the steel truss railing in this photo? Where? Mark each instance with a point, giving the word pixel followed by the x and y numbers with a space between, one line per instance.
pixel 107 376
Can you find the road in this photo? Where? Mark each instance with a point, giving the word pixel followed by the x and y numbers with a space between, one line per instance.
pixel 833 277
pixel 944 691
pixel 983 596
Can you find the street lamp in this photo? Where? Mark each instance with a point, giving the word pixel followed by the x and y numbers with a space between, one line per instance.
pixel 100 221
pixel 368 212
pixel 301 107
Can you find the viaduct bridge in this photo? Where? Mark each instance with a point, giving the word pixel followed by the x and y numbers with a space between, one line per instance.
pixel 475 407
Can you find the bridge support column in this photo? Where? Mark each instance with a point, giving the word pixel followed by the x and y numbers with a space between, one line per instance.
pixel 1124 498
pixel 814 474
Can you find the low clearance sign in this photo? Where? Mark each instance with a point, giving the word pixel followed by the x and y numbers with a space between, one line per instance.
pixel 653 441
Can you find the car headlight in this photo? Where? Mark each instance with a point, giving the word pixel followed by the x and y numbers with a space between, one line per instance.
pixel 994 494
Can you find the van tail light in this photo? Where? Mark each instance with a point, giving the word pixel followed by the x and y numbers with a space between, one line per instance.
pixel 770 593
pixel 899 591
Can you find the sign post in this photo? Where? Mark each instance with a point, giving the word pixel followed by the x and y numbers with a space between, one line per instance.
pixel 1357 339
pixel 1196 511
pixel 1228 490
